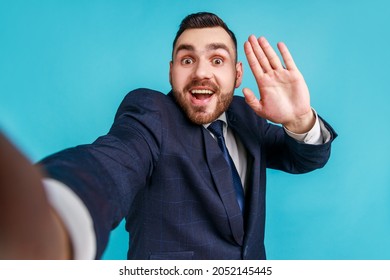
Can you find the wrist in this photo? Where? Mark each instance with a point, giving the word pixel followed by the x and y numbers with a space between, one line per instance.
pixel 302 124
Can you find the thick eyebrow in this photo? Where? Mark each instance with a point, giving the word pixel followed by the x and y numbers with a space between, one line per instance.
pixel 185 47
pixel 209 47
pixel 216 46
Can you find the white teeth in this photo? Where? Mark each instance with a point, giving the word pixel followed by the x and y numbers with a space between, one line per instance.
pixel 201 91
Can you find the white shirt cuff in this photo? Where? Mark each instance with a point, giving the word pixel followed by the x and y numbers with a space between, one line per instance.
pixel 75 217
pixel 318 135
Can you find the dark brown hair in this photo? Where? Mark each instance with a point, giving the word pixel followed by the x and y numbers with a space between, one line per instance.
pixel 203 20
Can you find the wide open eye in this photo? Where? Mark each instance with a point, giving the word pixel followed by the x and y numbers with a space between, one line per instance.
pixel 217 61
pixel 187 60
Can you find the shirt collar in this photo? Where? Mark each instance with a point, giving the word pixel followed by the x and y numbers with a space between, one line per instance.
pixel 223 118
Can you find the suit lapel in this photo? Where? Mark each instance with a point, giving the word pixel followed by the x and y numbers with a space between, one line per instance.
pixel 221 174
pixel 249 139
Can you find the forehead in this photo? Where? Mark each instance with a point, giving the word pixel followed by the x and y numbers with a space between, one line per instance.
pixel 201 38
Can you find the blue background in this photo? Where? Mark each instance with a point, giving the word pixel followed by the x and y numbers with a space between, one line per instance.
pixel 66 65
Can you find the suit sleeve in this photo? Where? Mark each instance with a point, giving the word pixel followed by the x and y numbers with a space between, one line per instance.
pixel 108 174
pixel 287 154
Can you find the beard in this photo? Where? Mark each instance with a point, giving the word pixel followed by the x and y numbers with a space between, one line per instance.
pixel 200 114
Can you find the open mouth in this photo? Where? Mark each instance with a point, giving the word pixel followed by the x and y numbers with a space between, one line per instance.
pixel 202 94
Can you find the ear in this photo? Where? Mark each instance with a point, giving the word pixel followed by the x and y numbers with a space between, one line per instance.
pixel 239 73
pixel 170 72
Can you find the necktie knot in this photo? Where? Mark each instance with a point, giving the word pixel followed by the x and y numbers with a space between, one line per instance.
pixel 216 128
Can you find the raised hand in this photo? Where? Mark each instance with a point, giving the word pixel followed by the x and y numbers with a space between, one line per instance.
pixel 284 96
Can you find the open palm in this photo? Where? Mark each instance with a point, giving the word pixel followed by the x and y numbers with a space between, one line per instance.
pixel 285 98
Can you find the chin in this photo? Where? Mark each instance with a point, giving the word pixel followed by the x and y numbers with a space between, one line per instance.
pixel 203 114
pixel 203 117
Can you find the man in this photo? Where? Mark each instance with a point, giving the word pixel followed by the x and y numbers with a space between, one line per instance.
pixel 188 187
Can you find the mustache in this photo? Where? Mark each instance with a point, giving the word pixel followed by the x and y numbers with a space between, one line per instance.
pixel 203 83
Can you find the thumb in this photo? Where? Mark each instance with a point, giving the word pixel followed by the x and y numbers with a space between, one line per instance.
pixel 252 101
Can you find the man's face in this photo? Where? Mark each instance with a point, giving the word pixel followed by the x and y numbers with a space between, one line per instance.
pixel 204 73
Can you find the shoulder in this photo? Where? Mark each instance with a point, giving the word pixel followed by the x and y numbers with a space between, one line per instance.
pixel 239 102
pixel 144 100
pixel 145 95
pixel 240 110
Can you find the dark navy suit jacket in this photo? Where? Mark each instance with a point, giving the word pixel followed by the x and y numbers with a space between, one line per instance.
pixel 168 178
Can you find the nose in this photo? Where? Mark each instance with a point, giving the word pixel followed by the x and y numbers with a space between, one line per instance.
pixel 202 70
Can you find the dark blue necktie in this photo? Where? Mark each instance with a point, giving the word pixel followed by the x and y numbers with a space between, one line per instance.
pixel 216 128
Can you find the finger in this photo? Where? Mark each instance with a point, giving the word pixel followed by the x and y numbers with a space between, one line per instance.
pixel 286 55
pixel 252 101
pixel 271 55
pixel 252 60
pixel 259 53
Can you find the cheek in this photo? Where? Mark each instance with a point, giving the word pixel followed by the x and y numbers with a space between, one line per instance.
pixel 178 77
pixel 227 79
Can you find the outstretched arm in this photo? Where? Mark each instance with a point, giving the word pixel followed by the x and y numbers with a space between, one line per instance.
pixel 285 98
pixel 29 228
